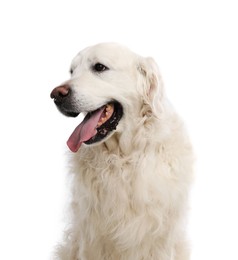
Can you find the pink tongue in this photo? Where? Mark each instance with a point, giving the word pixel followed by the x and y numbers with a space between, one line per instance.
pixel 84 131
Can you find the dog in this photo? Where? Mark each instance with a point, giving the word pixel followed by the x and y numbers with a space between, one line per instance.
pixel 131 161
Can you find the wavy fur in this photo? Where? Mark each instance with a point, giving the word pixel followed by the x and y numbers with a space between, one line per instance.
pixel 130 192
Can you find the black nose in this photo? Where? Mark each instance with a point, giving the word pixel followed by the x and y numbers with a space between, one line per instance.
pixel 60 93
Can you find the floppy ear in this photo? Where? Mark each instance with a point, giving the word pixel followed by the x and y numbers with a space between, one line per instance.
pixel 151 83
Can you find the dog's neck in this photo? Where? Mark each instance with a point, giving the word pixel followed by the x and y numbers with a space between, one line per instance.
pixel 127 142
pixel 112 144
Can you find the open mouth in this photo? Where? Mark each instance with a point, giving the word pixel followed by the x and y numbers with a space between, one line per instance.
pixel 96 126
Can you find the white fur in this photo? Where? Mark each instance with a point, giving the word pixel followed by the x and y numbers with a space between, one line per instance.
pixel 130 192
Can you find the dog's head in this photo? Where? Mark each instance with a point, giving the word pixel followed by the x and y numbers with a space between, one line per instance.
pixel 110 84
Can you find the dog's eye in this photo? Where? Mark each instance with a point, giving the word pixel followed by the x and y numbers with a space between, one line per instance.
pixel 99 67
pixel 71 71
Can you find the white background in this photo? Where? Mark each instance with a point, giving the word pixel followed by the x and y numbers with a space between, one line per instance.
pixel 195 44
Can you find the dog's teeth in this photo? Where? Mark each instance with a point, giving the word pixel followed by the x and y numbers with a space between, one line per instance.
pixel 107 115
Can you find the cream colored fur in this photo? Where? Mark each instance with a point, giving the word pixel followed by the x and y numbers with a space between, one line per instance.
pixel 130 192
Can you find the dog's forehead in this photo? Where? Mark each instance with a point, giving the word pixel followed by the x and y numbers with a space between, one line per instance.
pixel 109 53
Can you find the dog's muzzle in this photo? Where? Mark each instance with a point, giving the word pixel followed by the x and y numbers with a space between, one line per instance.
pixel 97 124
pixel 62 97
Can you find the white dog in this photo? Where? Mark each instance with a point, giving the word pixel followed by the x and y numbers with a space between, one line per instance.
pixel 132 163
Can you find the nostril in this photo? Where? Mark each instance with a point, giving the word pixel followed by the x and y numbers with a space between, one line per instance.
pixel 60 92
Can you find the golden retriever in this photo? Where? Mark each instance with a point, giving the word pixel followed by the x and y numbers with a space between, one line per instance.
pixel 131 160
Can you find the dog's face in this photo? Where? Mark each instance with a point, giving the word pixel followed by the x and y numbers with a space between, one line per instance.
pixel 109 84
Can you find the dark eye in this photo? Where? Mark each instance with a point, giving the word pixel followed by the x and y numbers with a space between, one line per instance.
pixel 99 67
pixel 71 71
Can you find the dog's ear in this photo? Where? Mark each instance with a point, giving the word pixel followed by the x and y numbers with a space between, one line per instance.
pixel 150 83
